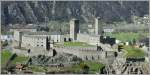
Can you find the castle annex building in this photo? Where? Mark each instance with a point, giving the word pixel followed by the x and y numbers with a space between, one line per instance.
pixel 40 40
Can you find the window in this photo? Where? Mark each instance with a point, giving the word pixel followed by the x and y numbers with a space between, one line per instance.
pixel 37 45
pixel 41 45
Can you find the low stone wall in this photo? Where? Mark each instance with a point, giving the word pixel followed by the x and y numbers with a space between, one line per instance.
pixel 90 39
pixel 83 53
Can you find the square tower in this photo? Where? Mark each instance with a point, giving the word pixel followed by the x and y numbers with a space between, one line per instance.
pixel 74 29
pixel 96 26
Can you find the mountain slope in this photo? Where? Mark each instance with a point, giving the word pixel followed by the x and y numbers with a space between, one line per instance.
pixel 43 11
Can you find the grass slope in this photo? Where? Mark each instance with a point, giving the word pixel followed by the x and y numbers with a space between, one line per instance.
pixel 5 55
pixel 124 36
pixel 94 66
pixel 20 59
pixel 134 52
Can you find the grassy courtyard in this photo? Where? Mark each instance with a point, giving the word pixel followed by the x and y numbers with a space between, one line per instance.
pixel 134 52
pixel 80 44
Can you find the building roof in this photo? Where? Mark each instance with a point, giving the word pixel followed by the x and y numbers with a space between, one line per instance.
pixel 35 36
pixel 42 33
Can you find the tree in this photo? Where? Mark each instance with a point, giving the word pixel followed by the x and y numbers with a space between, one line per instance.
pixel 130 43
pixel 134 41
pixel 29 50
pixel 54 52
pixel 5 43
pixel 85 68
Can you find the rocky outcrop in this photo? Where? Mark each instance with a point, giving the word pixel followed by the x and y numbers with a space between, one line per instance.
pixel 62 58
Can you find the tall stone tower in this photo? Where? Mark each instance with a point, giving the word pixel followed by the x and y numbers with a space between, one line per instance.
pixel 98 28
pixel 74 29
pixel 20 39
pixel 96 25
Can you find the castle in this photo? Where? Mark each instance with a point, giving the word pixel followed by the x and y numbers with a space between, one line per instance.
pixel 31 38
pixel 38 40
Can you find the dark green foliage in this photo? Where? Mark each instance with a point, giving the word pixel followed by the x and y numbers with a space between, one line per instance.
pixel 85 68
pixel 5 43
pixel 116 54
pixel 120 47
pixel 13 56
pixel 134 41
pixel 103 70
pixel 29 50
pixel 54 52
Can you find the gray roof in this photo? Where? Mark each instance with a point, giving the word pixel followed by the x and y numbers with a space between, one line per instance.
pixel 35 36
pixel 42 33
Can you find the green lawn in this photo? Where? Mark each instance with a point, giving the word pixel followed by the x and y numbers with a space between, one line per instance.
pixel 126 36
pixel 80 44
pixel 134 52
pixel 5 55
pixel 20 59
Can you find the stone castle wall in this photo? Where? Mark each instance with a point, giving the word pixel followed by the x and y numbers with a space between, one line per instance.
pixel 90 39
pixel 83 53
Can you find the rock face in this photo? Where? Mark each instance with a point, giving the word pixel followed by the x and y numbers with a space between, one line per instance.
pixel 42 11
pixel 59 58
